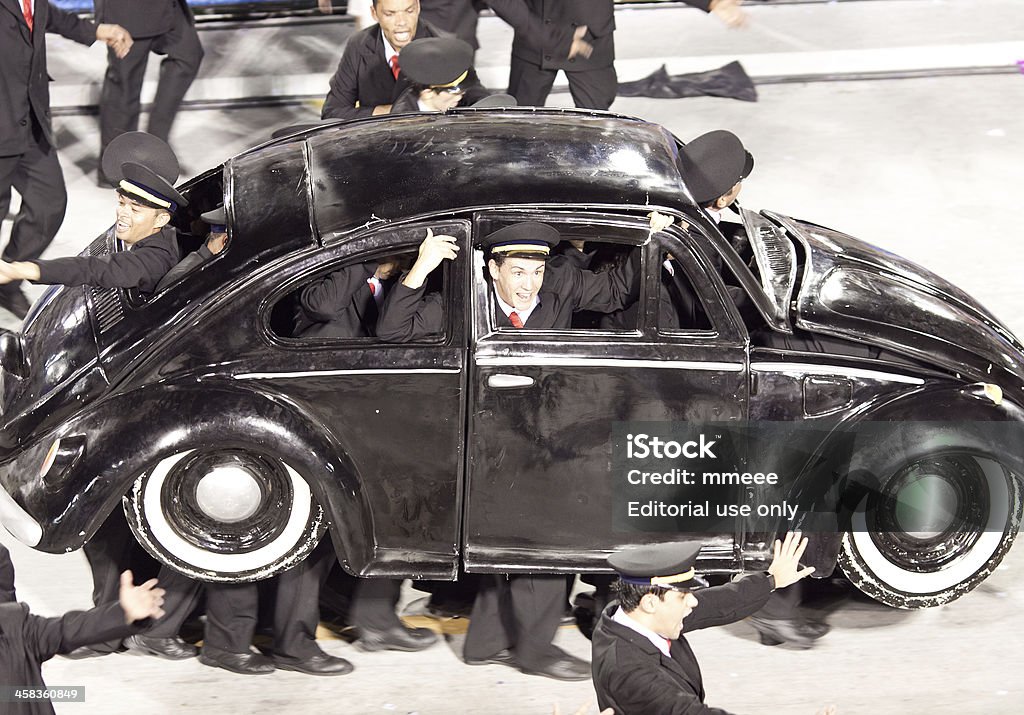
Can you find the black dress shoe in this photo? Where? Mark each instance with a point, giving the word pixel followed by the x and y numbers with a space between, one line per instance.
pixel 566 667
pixel 319 664
pixel 13 298
pixel 797 633
pixel 171 648
pixel 243 663
pixel 397 638
pixel 502 657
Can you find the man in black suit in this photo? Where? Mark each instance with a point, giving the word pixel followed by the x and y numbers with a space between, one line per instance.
pixel 28 154
pixel 165 27
pixel 642 662
pixel 369 76
pixel 514 618
pixel 29 640
pixel 345 302
pixel 577 37
pixel 145 169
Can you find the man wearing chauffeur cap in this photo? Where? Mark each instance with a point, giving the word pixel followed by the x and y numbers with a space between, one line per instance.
pixel 144 169
pixel 514 617
pixel 438 68
pixel 642 662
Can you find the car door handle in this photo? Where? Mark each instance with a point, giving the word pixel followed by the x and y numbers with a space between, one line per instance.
pixel 505 381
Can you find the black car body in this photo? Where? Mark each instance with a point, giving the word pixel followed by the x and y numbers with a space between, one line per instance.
pixel 235 444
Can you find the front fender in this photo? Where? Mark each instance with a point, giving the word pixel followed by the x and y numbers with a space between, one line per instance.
pixel 858 455
pixel 127 434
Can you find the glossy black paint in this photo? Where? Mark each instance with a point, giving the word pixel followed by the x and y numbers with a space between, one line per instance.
pixel 418 462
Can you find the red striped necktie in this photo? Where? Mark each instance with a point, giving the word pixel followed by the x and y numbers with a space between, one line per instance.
pixel 514 318
pixel 26 7
pixel 395 69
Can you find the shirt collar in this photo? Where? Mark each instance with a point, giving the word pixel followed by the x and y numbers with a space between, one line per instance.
pixel 623 619
pixel 507 309
pixel 389 51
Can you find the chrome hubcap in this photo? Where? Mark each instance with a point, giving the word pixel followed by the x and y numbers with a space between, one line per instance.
pixel 228 494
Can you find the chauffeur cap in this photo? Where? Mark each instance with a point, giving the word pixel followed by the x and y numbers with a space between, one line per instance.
pixel 669 565
pixel 713 163
pixel 217 219
pixel 528 239
pixel 437 62
pixel 145 168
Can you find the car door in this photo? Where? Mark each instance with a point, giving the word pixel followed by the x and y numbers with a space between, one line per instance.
pixel 395 410
pixel 544 490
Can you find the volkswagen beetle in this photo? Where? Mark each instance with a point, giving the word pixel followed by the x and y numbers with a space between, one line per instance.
pixel 234 443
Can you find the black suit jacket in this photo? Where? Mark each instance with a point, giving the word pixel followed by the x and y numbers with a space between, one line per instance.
pixel 142 18
pixel 26 641
pixel 364 76
pixel 544 30
pixel 458 17
pixel 141 266
pixel 339 305
pixel 632 676
pixel 24 82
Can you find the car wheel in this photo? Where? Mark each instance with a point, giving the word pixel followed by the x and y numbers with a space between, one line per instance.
pixel 227 515
pixel 932 531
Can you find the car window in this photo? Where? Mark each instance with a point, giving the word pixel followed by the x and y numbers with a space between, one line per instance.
pixel 609 250
pixel 341 298
pixel 681 307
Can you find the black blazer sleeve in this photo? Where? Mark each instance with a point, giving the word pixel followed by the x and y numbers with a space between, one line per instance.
pixel 69 25
pixel 344 92
pixel 141 267
pixel 332 294
pixel 729 603
pixel 48 636
pixel 602 292
pixel 408 315
pixel 644 691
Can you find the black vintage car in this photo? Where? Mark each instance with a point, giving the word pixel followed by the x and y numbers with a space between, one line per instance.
pixel 235 442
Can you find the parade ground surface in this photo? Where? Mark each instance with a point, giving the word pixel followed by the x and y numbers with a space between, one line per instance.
pixel 900 122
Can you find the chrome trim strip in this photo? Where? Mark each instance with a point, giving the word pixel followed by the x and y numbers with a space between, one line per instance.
pixel 17 521
pixel 328 373
pixel 609 362
pixel 834 370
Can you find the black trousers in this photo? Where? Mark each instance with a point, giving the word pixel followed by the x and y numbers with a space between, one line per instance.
pixel 122 85
pixel 37 176
pixel 590 89
pixel 111 550
pixel 6 576
pixel 520 612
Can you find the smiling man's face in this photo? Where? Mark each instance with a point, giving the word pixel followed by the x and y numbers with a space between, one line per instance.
pixel 136 221
pixel 517 280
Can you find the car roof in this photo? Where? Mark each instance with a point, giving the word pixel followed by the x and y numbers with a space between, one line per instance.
pixel 384 169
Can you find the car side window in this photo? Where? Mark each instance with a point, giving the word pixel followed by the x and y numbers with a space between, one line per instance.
pixel 342 300
pixel 681 306
pixel 591 281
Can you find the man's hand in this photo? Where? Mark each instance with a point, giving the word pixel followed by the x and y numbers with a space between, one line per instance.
pixel 139 602
pixel 18 271
pixel 729 12
pixel 325 6
pixel 433 251
pixel 216 242
pixel 785 567
pixel 659 221
pixel 580 46
pixel 115 37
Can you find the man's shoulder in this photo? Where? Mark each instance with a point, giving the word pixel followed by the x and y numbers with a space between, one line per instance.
pixel 366 40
